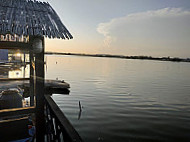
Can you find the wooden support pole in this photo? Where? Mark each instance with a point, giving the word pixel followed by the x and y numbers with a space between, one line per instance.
pixel 31 77
pixel 39 70
pixel 24 58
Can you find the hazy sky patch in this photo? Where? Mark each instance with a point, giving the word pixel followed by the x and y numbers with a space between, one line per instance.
pixel 164 29
pixel 127 27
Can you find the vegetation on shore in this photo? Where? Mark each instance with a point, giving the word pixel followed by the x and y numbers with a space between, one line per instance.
pixel 173 59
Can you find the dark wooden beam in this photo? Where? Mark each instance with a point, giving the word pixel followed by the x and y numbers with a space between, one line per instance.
pixel 39 88
pixel 13 79
pixel 16 111
pixel 14 45
pixel 31 56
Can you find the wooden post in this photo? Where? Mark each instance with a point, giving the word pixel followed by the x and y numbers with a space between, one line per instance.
pixel 31 77
pixel 24 74
pixel 39 70
pixel 24 58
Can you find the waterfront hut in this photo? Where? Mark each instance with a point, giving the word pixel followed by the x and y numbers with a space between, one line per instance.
pixel 23 25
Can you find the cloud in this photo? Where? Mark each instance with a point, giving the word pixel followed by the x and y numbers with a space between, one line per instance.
pixel 164 28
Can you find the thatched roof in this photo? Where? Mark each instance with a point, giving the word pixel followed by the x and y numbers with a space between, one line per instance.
pixel 30 18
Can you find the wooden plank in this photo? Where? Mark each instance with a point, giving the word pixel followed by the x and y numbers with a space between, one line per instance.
pixel 71 133
pixel 52 84
pixel 13 79
pixel 14 45
pixel 16 111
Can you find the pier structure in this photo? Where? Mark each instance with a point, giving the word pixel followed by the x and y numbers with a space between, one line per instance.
pixel 23 26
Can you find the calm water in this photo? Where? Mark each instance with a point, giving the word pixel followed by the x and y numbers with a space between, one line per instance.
pixel 124 100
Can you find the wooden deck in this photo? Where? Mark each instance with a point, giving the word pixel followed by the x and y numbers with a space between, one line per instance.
pixel 14 123
pixel 58 128
pixel 51 86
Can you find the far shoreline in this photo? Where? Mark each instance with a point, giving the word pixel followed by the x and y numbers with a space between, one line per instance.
pixel 171 59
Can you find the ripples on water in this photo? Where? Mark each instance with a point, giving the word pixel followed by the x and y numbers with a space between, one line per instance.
pixel 124 100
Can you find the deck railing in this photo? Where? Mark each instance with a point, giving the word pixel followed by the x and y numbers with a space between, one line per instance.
pixel 16 111
pixel 58 127
pixel 14 123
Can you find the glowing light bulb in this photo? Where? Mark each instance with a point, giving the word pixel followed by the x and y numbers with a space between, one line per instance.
pixel 18 54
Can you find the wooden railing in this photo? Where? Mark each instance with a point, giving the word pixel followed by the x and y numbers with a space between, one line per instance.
pixel 58 127
pixel 16 111
pixel 14 123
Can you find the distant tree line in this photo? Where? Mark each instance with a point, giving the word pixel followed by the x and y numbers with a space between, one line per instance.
pixel 173 59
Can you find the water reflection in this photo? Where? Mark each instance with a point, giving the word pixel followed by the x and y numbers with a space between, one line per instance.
pixel 125 100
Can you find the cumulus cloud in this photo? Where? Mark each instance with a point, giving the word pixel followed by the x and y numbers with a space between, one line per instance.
pixel 164 28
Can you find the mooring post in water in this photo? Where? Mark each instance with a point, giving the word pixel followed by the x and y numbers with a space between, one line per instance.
pixel 38 49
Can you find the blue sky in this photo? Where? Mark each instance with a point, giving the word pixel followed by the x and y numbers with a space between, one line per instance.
pixel 127 27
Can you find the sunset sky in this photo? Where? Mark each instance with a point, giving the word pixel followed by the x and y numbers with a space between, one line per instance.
pixel 124 27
